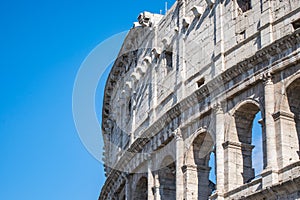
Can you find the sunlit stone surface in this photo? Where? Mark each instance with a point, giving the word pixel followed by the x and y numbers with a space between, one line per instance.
pixel 189 84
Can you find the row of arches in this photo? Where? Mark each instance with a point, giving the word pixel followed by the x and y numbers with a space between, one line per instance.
pixel 198 171
pixel 245 156
pixel 246 151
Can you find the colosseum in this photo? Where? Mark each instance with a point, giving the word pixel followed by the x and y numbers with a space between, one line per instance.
pixel 186 89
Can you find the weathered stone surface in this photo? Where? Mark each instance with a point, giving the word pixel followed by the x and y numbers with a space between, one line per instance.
pixel 189 84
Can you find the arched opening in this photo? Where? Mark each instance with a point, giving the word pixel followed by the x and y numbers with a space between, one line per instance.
pixel 212 173
pixel 197 169
pixel 167 61
pixel 141 191
pixel 167 179
pixel 244 118
pixel 293 95
pixel 257 142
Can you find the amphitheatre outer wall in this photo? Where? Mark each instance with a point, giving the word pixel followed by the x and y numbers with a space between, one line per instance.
pixel 189 84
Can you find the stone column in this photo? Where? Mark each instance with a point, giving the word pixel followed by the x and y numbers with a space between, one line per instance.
pixel 203 182
pixel 179 163
pixel 269 174
pixel 151 183
pixel 219 131
pixel 190 181
pixel 288 143
pixel 155 189
pixel 264 142
pixel 196 182
pixel 233 165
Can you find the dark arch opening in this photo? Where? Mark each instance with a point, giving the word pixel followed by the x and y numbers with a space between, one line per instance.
pixel 167 179
pixel 293 95
pixel 141 191
pixel 202 151
pixel 244 118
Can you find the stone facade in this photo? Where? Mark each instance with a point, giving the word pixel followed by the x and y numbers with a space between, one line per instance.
pixel 189 84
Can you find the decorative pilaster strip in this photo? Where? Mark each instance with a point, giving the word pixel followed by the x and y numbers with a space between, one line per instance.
pixel 220 136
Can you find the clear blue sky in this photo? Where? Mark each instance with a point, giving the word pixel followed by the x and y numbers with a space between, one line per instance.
pixel 42 44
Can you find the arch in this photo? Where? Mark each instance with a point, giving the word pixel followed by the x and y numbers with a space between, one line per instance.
pixel 141 189
pixel 239 167
pixel 293 97
pixel 282 101
pixel 189 141
pixel 200 149
pixel 241 104
pixel 231 133
pixel 291 80
pixel 167 178
pixel 244 118
pixel 197 169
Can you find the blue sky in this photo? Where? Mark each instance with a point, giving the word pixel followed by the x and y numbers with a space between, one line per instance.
pixel 42 45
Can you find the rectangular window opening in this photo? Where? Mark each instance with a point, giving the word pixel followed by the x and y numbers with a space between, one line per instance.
pixel 200 82
pixel 296 24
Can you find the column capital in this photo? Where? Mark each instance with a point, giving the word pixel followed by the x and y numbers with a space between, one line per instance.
pixel 177 134
pixel 267 78
pixel 218 108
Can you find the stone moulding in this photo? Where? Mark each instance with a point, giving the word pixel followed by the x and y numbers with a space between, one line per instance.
pixel 201 93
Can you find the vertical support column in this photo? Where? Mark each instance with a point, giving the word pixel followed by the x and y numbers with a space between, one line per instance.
pixel 233 167
pixel 150 179
pixel 270 175
pixel 179 163
pixel 196 182
pixel 156 186
pixel 203 182
pixel 191 184
pixel 286 137
pixel 264 142
pixel 220 162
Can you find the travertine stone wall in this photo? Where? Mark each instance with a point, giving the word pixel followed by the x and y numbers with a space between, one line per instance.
pixel 187 85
